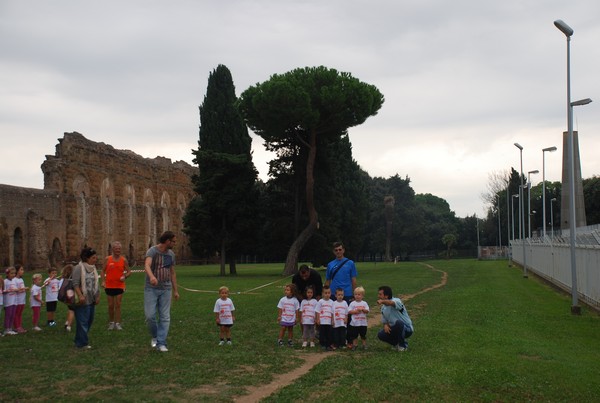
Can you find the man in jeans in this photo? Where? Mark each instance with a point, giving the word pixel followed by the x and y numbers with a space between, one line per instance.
pixel 397 326
pixel 160 281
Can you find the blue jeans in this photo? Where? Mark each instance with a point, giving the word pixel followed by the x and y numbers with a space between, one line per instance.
pixel 157 308
pixel 84 315
pixel 397 335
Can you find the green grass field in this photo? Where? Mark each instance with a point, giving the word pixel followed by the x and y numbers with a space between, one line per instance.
pixel 488 335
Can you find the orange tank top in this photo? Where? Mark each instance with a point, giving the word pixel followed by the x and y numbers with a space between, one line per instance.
pixel 114 272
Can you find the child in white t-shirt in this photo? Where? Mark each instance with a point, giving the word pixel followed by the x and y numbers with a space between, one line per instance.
pixel 340 319
pixel 307 311
pixel 324 318
pixel 287 310
pixel 21 299
pixel 35 300
pixel 52 285
pixel 10 301
pixel 224 315
pixel 358 310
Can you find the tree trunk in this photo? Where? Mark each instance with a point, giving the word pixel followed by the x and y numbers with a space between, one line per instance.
pixel 232 268
pixel 222 272
pixel 291 262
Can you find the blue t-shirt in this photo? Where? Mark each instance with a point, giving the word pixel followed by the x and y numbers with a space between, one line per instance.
pixel 343 278
pixel 397 312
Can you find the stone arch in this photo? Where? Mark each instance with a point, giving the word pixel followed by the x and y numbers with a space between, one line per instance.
pixel 150 217
pixel 81 191
pixel 107 200
pixel 130 206
pixel 57 256
pixel 4 244
pixel 18 246
pixel 165 205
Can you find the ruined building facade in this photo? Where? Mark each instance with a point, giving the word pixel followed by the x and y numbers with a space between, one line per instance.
pixel 94 194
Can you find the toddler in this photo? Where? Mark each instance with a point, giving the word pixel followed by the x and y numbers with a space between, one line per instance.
pixel 35 300
pixel 10 300
pixel 358 310
pixel 324 318
pixel 224 315
pixel 307 312
pixel 21 299
pixel 288 309
pixel 340 319
pixel 52 285
pixel 65 275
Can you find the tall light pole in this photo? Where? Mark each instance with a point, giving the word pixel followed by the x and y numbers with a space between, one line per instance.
pixel 513 215
pixel 499 228
pixel 568 31
pixel 535 171
pixel 544 150
pixel 552 215
pixel 521 208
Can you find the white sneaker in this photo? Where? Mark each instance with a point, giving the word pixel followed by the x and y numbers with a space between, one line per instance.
pixel 111 326
pixel 229 342
pixel 163 349
pixel 153 343
pixel 304 344
pixel 312 344
pixel 118 326
pixel 37 328
pixel 222 342
pixel 68 328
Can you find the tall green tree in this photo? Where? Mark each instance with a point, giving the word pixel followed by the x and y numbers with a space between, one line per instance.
pixel 297 108
pixel 222 219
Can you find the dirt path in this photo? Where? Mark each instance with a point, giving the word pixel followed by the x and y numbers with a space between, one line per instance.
pixel 256 393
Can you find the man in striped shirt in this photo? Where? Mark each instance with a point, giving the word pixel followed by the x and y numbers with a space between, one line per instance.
pixel 161 285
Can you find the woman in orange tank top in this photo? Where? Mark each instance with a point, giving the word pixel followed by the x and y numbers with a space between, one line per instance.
pixel 116 270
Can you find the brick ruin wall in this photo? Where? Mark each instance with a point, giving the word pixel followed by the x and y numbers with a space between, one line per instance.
pixel 94 194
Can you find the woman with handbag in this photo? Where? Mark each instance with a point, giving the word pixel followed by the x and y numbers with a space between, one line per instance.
pixel 85 282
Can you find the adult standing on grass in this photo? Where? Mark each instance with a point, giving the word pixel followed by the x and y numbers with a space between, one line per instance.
pixel 116 270
pixel 341 272
pixel 85 283
pixel 308 277
pixel 397 326
pixel 161 285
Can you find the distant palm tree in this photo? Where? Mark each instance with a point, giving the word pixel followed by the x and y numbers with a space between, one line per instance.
pixel 449 240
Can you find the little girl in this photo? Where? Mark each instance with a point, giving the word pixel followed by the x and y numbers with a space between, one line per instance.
pixel 288 309
pixel 224 315
pixel 307 310
pixel 65 275
pixel 21 299
pixel 10 300
pixel 35 300
pixel 52 285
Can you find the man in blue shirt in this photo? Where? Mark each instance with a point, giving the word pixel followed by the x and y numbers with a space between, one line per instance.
pixel 341 273
pixel 397 326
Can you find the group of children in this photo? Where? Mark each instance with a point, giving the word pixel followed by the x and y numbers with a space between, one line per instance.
pixel 340 324
pixel 13 296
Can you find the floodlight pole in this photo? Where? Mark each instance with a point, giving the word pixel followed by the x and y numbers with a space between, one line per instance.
pixel 549 149
pixel 568 31
pixel 529 200
pixel 521 212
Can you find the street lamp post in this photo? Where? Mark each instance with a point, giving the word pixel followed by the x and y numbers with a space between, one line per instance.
pixel 552 216
pixel 568 31
pixel 535 171
pixel 549 149
pixel 521 213
pixel 513 215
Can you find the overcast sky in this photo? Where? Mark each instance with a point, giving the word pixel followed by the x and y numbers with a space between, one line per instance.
pixel 463 80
